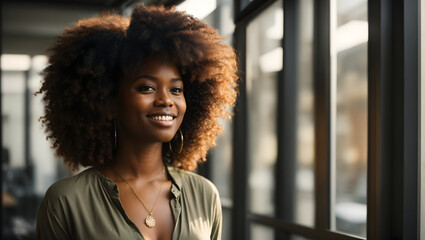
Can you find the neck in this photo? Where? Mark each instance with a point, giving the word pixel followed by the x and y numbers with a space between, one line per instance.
pixel 138 160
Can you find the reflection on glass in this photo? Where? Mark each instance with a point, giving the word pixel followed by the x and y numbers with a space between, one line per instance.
pixel 220 158
pixel 221 164
pixel 350 34
pixel 296 237
pixel 245 3
pixel 227 224
pixel 304 189
pixel 264 60
pixel 261 232
pixel 16 183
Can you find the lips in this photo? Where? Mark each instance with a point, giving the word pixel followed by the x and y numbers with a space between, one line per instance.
pixel 161 119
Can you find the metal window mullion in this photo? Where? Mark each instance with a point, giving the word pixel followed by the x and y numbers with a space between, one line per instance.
pixel 286 166
pixel 299 230
pixel 333 15
pixel 322 113
pixel 411 120
pixel 422 118
pixel 378 88
pixel 240 138
pixel 287 114
pixel 1 121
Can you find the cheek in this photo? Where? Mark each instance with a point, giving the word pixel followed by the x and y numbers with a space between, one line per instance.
pixel 182 106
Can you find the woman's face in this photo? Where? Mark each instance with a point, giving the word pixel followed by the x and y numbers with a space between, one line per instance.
pixel 150 103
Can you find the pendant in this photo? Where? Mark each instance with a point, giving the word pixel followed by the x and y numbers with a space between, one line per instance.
pixel 150 221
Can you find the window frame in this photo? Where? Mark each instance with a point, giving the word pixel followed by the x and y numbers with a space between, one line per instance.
pixel 393 184
pixel 393 141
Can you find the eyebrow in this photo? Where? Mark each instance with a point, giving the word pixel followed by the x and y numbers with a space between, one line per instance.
pixel 154 78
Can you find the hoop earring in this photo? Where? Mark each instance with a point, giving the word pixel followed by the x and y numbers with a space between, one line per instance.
pixel 181 143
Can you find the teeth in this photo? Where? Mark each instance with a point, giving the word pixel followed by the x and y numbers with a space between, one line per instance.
pixel 162 118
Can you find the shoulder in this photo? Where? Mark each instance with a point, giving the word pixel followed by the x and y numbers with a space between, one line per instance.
pixel 194 181
pixel 71 186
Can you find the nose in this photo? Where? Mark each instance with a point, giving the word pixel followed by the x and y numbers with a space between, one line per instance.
pixel 163 99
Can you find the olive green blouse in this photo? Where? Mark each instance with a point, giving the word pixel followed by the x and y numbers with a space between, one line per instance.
pixel 87 206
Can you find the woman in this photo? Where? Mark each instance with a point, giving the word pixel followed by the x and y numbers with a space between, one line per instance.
pixel 139 103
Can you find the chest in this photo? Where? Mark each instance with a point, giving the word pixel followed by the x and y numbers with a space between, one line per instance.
pixel 150 211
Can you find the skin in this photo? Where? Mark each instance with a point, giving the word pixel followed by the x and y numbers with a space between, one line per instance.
pixel 155 88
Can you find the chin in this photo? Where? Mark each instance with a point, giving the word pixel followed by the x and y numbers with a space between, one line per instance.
pixel 163 137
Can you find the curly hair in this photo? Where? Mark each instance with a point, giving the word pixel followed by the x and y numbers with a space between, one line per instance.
pixel 90 58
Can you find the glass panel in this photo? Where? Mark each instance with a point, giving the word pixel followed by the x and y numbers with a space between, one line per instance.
pixel 349 102
pixel 264 61
pixel 221 157
pixel 288 236
pixel 261 232
pixel 304 189
pixel 221 164
pixel 16 183
pixel 297 237
pixel 26 177
pixel 227 224
pixel 245 3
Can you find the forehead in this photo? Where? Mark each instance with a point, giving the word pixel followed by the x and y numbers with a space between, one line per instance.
pixel 156 66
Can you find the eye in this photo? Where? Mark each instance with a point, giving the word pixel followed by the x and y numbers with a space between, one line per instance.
pixel 145 89
pixel 177 90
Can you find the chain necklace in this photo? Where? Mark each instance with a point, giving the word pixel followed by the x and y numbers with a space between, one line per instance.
pixel 150 220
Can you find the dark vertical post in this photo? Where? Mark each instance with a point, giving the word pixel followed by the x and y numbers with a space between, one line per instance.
pixel 236 7
pixel 1 127
pixel 27 118
pixel 322 112
pixel 240 169
pixel 287 115
pixel 394 136
pixel 285 172
pixel 380 121
pixel 411 108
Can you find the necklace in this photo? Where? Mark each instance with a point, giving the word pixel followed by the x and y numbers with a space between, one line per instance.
pixel 150 220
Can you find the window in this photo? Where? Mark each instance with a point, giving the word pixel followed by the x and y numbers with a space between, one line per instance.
pixel 29 166
pixel 328 136
pixel 264 61
pixel 349 31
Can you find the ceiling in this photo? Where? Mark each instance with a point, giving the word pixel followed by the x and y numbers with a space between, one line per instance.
pixel 29 26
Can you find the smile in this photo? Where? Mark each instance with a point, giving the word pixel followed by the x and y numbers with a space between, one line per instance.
pixel 162 118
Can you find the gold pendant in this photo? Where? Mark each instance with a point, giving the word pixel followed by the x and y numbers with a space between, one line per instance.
pixel 150 221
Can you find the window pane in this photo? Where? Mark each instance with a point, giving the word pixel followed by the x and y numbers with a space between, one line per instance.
pixel 221 158
pixel 297 237
pixel 304 190
pixel 245 3
pixel 349 99
pixel 26 175
pixel 16 181
pixel 261 232
pixel 227 224
pixel 264 61
pixel 221 164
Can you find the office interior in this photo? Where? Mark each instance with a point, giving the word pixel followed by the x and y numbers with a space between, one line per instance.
pixel 327 139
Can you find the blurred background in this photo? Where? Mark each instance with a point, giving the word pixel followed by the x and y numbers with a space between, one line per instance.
pixel 273 171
